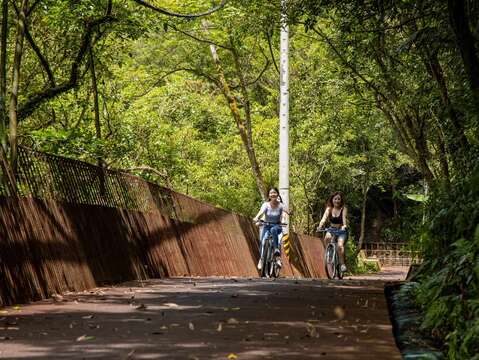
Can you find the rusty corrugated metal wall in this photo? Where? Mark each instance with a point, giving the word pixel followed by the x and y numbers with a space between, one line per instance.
pixel 76 226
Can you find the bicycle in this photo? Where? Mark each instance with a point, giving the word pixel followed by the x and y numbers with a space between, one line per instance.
pixel 331 256
pixel 271 267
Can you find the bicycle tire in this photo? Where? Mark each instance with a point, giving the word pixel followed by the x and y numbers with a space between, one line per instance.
pixel 277 269
pixel 266 261
pixel 263 260
pixel 330 261
pixel 339 273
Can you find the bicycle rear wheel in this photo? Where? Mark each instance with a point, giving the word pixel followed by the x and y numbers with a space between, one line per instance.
pixel 330 261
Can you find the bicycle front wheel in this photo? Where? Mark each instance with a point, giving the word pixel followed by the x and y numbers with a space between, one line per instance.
pixel 267 260
pixel 339 273
pixel 330 257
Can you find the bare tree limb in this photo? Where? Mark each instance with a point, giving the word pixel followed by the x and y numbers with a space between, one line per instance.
pixel 170 13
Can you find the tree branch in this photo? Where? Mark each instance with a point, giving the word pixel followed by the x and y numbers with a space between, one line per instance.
pixel 37 99
pixel 191 70
pixel 234 87
pixel 170 13
pixel 199 39
pixel 157 172
pixel 268 37
pixel 41 58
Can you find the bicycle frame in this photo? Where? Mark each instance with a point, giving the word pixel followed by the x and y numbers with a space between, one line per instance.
pixel 270 266
pixel 331 256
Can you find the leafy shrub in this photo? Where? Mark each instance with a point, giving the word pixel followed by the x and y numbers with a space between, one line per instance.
pixel 355 264
pixel 449 278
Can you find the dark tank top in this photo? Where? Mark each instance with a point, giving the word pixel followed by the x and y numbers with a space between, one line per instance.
pixel 337 220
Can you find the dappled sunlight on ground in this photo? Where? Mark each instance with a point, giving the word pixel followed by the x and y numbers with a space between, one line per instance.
pixel 205 318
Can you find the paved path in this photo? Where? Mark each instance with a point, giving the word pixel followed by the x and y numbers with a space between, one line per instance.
pixel 207 318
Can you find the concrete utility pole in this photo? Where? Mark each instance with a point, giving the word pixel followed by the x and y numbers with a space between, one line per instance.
pixel 284 110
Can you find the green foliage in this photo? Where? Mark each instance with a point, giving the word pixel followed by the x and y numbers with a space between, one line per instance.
pixel 356 264
pixel 449 280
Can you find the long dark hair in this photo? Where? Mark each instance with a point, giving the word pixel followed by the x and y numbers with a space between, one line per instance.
pixel 329 203
pixel 277 191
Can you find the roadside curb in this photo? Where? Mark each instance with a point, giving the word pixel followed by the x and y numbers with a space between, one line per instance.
pixel 406 320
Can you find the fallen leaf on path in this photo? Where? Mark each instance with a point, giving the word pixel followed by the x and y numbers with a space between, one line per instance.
pixel 220 327
pixel 130 354
pixel 191 326
pixel 88 317
pixel 173 305
pixel 232 321
pixel 312 332
pixel 85 338
pixel 232 356
pixel 57 297
pixel 339 312
pixel 16 307
pixel 141 307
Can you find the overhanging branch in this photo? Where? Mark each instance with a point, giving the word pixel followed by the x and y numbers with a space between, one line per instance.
pixel 170 13
pixel 37 99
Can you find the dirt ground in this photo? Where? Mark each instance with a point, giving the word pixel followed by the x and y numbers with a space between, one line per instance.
pixel 208 318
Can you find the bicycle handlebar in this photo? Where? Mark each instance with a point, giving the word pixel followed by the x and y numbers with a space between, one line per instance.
pixel 270 223
pixel 332 230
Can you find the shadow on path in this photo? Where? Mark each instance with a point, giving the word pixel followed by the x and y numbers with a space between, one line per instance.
pixel 206 318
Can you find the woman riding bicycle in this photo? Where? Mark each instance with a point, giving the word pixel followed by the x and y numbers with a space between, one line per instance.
pixel 273 211
pixel 336 215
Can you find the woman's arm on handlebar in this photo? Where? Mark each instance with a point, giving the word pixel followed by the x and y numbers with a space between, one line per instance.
pixel 323 219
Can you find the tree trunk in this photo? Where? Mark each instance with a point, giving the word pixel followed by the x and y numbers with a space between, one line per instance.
pixel 17 60
pixel 457 144
pixel 465 42
pixel 362 231
pixel 96 106
pixel 243 127
pixel 7 175
pixel 3 75
pixel 395 202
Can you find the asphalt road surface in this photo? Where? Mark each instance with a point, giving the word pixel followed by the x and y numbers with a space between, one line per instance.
pixel 208 318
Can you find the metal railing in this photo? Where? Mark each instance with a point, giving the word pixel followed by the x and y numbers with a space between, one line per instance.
pixel 46 176
pixel 392 253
